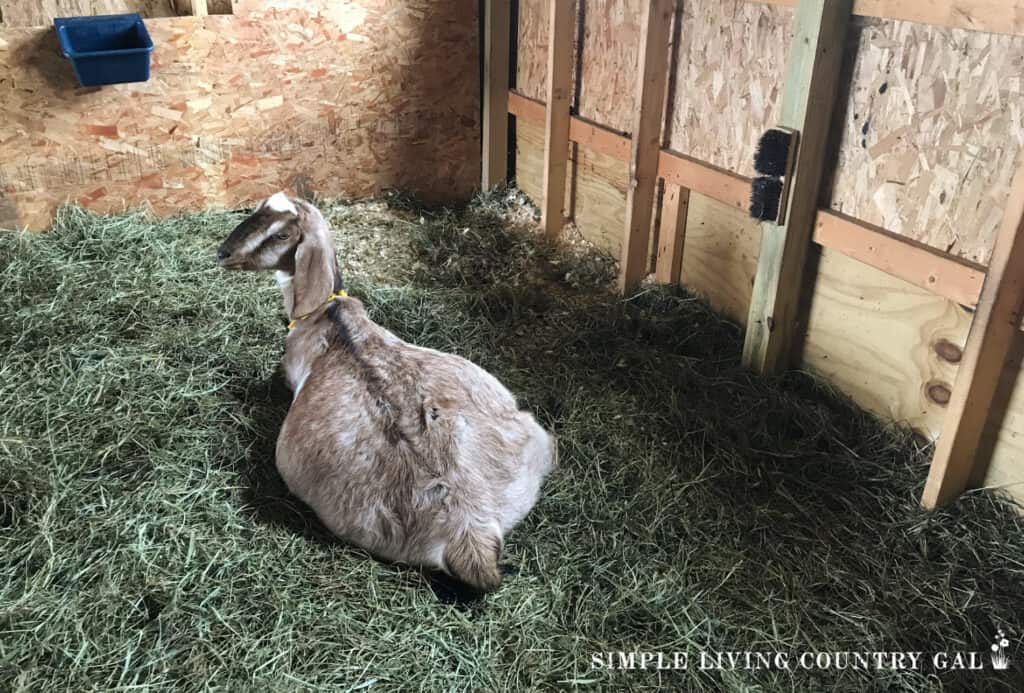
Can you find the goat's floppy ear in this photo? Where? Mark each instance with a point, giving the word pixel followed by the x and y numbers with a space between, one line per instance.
pixel 314 274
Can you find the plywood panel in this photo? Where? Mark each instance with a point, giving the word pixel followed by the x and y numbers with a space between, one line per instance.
pixel 875 336
pixel 346 100
pixel 720 255
pixel 1006 471
pixel 595 196
pixel 731 59
pixel 933 129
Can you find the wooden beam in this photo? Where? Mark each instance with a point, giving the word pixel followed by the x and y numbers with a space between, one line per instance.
pixel 992 332
pixel 648 112
pixel 582 131
pixel 946 275
pixel 809 91
pixel 954 278
pixel 494 153
pixel 674 206
pixel 724 186
pixel 993 16
pixel 199 8
pixel 556 130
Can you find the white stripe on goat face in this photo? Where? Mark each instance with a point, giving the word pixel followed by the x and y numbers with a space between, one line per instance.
pixel 253 242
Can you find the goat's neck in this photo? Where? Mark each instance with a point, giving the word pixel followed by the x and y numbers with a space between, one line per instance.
pixel 285 280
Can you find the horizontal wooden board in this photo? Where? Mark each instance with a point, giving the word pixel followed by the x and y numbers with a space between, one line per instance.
pixel 348 99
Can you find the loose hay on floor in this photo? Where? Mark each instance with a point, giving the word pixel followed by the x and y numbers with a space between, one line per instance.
pixel 146 541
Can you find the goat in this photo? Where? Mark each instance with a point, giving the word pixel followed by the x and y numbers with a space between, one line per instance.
pixel 415 455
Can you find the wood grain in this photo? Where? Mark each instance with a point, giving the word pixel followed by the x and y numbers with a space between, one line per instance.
pixel 812 76
pixel 348 99
pixel 557 103
pixel 494 155
pixel 652 77
pixel 672 236
pixel 993 330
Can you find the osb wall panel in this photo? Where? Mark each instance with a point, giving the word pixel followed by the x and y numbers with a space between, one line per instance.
pixel 532 48
pixel 729 71
pixel 932 133
pixel 719 107
pixel 43 12
pixel 356 99
pixel 606 41
pixel 929 137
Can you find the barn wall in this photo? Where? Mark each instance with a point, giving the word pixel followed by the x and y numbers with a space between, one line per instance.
pixel 941 122
pixel 932 125
pixel 342 99
pixel 42 12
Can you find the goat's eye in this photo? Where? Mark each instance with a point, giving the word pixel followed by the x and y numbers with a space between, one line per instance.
pixel 281 236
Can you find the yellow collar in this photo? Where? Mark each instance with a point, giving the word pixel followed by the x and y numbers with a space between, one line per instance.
pixel 336 295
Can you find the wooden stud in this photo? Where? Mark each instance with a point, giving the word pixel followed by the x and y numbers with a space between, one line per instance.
pixel 648 111
pixel 946 275
pixel 674 206
pixel 494 156
pixel 199 8
pixel 809 91
pixel 556 131
pixel 992 333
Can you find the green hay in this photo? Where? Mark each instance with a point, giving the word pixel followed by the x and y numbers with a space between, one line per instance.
pixel 146 541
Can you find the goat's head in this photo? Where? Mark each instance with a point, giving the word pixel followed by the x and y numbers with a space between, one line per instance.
pixel 289 236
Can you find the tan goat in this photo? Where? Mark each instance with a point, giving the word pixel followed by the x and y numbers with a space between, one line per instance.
pixel 415 455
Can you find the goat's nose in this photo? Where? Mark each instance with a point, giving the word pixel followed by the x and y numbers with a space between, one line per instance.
pixel 221 253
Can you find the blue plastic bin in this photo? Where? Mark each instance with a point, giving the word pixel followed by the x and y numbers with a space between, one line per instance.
pixel 106 49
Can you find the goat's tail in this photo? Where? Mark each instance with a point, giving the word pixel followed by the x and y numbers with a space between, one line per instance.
pixel 472 556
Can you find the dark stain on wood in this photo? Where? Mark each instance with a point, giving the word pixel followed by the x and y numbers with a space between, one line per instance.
pixel 939 393
pixel 947 351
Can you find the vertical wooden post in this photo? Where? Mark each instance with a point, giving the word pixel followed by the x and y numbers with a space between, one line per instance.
pixel 993 329
pixel 674 205
pixel 556 131
pixel 809 91
pixel 652 72
pixel 199 8
pixel 494 161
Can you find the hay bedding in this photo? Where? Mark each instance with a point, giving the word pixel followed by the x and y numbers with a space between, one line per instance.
pixel 146 541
